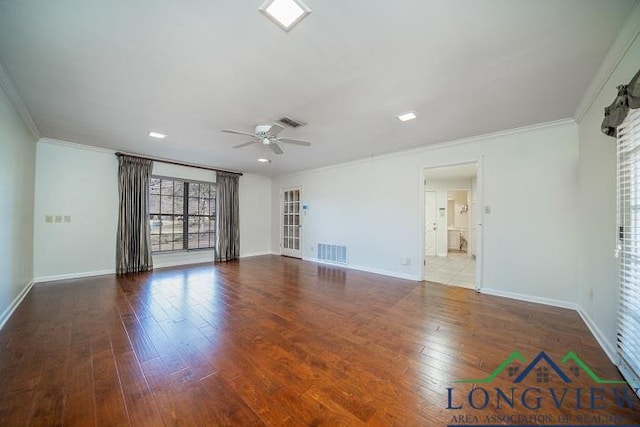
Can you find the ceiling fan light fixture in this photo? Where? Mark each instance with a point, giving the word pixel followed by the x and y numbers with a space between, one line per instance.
pixel 285 13
pixel 407 116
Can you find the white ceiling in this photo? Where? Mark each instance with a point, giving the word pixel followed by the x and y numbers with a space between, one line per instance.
pixel 105 73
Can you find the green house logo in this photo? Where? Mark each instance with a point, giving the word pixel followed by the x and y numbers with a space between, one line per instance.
pixel 541 372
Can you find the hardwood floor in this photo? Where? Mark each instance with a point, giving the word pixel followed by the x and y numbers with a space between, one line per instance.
pixel 276 341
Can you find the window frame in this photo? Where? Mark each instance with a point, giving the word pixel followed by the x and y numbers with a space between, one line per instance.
pixel 184 215
pixel 628 246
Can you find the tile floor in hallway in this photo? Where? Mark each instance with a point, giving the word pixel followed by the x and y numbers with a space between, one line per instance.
pixel 456 268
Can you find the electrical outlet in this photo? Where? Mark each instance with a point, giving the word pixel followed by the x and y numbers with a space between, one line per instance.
pixel 487 209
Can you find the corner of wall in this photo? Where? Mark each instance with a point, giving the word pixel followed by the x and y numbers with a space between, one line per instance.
pixel 598 269
pixel 617 51
pixel 6 83
pixel 6 314
pixel 17 162
pixel 607 346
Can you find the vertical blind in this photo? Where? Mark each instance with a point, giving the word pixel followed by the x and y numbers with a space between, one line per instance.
pixel 628 194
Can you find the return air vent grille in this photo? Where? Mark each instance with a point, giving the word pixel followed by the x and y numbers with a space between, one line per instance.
pixel 290 122
pixel 332 253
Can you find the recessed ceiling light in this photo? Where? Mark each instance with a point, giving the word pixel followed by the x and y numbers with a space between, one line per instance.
pixel 286 13
pixel 407 116
pixel 157 135
pixel 263 160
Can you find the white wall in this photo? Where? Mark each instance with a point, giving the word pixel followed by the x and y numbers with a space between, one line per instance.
pixel 442 187
pixel 17 166
pixel 255 215
pixel 376 208
pixel 81 182
pixel 598 278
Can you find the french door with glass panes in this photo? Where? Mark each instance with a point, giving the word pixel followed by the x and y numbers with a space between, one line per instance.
pixel 291 243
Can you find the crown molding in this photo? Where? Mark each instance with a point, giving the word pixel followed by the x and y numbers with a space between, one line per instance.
pixel 261 177
pixel 6 83
pixel 619 48
pixel 69 144
pixel 438 146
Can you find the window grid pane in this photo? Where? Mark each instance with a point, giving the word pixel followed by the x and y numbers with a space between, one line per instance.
pixel 166 215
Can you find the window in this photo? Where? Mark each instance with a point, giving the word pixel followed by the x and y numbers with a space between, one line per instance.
pixel 542 374
pixel 629 246
pixel 182 214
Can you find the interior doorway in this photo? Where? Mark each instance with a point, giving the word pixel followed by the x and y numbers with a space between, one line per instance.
pixel 452 240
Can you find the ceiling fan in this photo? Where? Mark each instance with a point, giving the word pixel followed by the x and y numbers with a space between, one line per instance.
pixel 268 135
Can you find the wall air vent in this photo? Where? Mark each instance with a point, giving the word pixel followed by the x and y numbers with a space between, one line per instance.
pixel 290 122
pixel 336 254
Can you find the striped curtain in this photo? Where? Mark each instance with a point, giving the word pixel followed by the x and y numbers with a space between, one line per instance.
pixel 133 251
pixel 227 218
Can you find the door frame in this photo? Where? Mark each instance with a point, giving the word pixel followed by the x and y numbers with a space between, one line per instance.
pixel 479 216
pixel 281 224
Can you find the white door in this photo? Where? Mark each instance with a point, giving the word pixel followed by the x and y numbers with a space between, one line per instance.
pixel 430 226
pixel 290 218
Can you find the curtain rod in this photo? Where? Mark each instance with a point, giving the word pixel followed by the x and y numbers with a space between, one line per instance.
pixel 172 162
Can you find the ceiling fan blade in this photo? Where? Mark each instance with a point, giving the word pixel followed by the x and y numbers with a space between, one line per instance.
pixel 239 132
pixel 245 144
pixel 275 129
pixel 295 142
pixel 275 148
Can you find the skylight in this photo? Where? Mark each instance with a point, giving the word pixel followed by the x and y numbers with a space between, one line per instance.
pixel 286 13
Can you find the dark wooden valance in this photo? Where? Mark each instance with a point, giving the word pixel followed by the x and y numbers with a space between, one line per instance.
pixel 628 98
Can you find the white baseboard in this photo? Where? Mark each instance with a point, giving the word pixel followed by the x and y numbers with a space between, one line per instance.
pixel 605 344
pixel 15 303
pixel 530 298
pixel 256 254
pixel 67 276
pixel 397 275
pixel 602 340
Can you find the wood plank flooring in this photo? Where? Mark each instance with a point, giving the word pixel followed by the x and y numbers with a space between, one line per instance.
pixel 277 341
